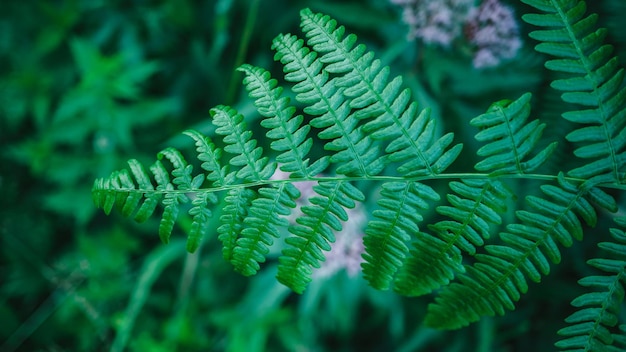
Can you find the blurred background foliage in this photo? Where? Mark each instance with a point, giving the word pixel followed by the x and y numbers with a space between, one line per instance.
pixel 87 84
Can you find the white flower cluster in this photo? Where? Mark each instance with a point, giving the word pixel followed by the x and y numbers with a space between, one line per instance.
pixel 494 32
pixel 435 21
pixel 490 28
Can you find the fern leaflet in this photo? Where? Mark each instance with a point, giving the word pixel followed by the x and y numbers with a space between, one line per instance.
pixel 510 138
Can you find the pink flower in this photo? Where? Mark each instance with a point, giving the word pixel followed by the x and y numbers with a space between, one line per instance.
pixel 436 22
pixel 494 33
pixel 490 29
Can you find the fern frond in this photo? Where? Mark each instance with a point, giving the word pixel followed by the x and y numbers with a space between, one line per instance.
pixel 497 280
pixel 511 138
pixel 117 191
pixel 370 125
pixel 595 81
pixel 172 200
pixel 619 340
pixel 201 214
pixel 374 134
pixel 235 210
pixel 151 199
pixel 355 154
pixel 363 85
pixel 590 327
pixel 210 157
pixel 314 231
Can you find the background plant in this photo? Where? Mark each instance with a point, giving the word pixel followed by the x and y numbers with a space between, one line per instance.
pixel 64 264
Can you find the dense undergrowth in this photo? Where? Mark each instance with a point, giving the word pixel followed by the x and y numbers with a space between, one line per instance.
pixel 88 85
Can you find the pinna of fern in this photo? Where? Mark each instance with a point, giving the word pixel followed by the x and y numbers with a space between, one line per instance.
pixel 593 80
pixel 590 327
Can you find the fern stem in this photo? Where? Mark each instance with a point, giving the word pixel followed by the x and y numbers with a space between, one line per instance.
pixel 511 133
pixel 243 48
pixel 378 178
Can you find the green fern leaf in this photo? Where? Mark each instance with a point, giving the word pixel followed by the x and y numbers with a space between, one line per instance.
pixel 595 81
pixel 104 193
pixel 511 139
pixel 143 182
pixel 590 326
pixel 387 236
pixel 235 210
pixel 260 226
pixel 619 340
pixel 201 215
pixel 314 231
pixel 245 248
pixel 370 125
pixel 246 155
pixel 362 84
pixel 119 191
pixel 182 172
pixel 172 203
pixel 172 200
pixel 210 157
pixel 355 152
pixel 287 131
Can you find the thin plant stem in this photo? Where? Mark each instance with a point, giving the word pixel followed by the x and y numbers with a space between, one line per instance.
pixel 243 48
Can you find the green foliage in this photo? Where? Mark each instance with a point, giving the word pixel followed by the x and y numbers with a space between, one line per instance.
pixel 374 134
pixel 338 105
pixel 394 167
pixel 595 82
